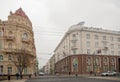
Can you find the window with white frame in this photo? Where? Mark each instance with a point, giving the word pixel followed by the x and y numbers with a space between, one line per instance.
pixel 112 52
pixel 88 51
pixel 118 52
pixel 88 43
pixel 104 37
pixel 9 57
pixel 25 36
pixel 118 46
pixel 111 38
pixel 0 44
pixel 74 36
pixel 74 51
pixel 118 39
pixel 112 46
pixel 9 70
pixel 10 45
pixel 1 69
pixel 96 44
pixel 88 36
pixel 1 33
pixel 96 37
pixel 89 60
pixel 105 60
pixel 104 44
pixel 112 59
pixel 1 57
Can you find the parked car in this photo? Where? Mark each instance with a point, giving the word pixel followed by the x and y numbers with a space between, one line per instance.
pixel 109 73
pixel 41 74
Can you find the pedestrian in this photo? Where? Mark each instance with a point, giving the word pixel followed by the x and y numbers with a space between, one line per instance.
pixel 9 77
pixel 17 76
pixel 90 72
pixel 76 75
pixel 69 73
pixel 29 76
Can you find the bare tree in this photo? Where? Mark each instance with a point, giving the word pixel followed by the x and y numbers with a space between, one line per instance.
pixel 21 61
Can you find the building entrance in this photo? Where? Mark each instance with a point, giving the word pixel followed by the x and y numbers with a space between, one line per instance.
pixel 119 64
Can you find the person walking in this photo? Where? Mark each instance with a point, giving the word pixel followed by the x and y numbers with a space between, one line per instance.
pixel 9 77
pixel 17 76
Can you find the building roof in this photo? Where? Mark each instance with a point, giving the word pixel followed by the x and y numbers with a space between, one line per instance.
pixel 20 12
pixel 76 27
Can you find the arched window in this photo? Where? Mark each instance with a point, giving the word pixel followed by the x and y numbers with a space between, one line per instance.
pixel 10 33
pixel 1 33
pixel 25 36
pixel 9 57
pixel 1 57
pixel 10 45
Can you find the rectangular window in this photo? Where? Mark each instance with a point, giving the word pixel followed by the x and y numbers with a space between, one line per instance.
pixel 96 44
pixel 88 36
pixel 88 43
pixel 1 33
pixel 25 70
pixel 74 51
pixel 104 44
pixel 112 52
pixel 104 37
pixel 112 46
pixel 88 51
pixel 118 52
pixel 1 69
pixel 89 68
pixel 118 46
pixel 96 37
pixel 105 68
pixel 9 70
pixel 118 39
pixel 0 44
pixel 111 38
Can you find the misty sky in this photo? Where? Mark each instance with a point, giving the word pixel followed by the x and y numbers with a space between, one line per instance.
pixel 52 18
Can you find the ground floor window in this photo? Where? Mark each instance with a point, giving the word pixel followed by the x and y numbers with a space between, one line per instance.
pixel 25 70
pixel 112 68
pixel 105 68
pixel 89 68
pixel 1 69
pixel 9 70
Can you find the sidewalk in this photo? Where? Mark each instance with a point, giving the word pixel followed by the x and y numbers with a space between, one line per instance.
pixel 23 80
pixel 115 78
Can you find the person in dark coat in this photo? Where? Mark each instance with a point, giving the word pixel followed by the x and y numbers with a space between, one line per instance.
pixel 17 76
pixel 8 76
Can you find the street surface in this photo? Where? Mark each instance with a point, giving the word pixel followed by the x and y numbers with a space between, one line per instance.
pixel 67 79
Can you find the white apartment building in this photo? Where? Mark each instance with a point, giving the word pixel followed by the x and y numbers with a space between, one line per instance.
pixel 80 39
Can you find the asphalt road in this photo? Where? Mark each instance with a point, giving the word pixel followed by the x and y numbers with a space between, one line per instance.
pixel 67 79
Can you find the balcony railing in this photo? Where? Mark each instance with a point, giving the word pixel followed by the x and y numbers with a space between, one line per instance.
pixel 8 37
pixel 74 47
pixel 26 40
pixel 17 51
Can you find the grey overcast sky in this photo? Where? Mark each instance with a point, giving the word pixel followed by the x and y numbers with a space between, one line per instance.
pixel 52 18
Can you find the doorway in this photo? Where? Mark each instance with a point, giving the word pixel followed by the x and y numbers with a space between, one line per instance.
pixel 119 64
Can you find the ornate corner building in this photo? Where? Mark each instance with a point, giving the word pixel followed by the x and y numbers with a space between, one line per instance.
pixel 16 37
pixel 84 49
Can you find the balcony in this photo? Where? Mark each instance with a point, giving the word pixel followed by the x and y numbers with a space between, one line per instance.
pixel 18 51
pixel 10 38
pixel 74 47
pixel 74 40
pixel 25 40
